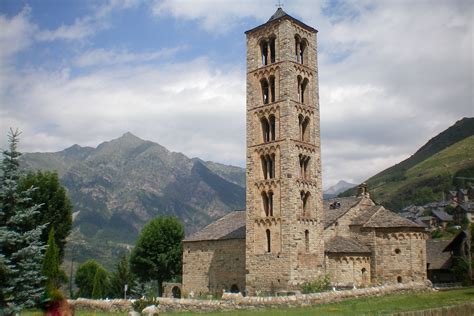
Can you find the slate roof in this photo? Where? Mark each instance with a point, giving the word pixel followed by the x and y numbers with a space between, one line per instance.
pixel 341 244
pixel 366 215
pixel 435 255
pixel 280 14
pixel 231 226
pixel 331 215
pixel 468 206
pixel 442 215
pixel 384 218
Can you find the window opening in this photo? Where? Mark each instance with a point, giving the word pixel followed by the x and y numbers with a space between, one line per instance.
pixel 272 89
pixel 302 48
pixel 265 91
pixel 264 51
pixel 399 279
pixel 272 50
pixel 268 240
pixel 234 288
pixel 272 127
pixel 306 240
pixel 265 129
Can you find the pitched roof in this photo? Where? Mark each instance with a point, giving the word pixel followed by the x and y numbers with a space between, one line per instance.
pixel 231 226
pixel 341 244
pixel 435 255
pixel 366 215
pixel 278 15
pixel 332 214
pixel 384 218
pixel 442 215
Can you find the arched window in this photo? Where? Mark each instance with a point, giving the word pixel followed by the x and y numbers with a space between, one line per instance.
pixel 299 82
pixel 305 201
pixel 268 166
pixel 265 129
pixel 297 48
pixel 272 50
pixel 306 240
pixel 304 162
pixel 272 89
pixel 304 128
pixel 267 202
pixel 302 52
pixel 399 279
pixel 265 91
pixel 268 240
pixel 304 91
pixel 264 52
pixel 272 124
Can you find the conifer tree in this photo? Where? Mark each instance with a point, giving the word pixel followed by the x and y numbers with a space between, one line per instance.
pixel 21 249
pixel 51 268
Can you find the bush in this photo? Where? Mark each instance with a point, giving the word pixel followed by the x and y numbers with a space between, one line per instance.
pixel 320 284
pixel 140 304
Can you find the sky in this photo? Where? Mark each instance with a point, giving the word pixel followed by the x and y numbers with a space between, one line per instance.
pixel 393 74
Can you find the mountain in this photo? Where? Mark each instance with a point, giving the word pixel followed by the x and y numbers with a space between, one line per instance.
pixel 339 187
pixel 123 183
pixel 443 163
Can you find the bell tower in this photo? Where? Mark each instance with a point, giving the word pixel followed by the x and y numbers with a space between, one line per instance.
pixel 284 242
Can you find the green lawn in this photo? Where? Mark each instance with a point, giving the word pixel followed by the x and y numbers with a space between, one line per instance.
pixel 363 306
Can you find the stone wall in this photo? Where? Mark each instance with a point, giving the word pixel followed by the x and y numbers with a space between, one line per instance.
pixel 213 266
pixel 348 270
pixel 301 300
pixel 399 256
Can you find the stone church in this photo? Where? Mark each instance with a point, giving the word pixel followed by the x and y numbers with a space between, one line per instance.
pixel 288 235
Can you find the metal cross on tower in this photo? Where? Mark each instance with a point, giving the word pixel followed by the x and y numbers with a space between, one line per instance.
pixel 279 4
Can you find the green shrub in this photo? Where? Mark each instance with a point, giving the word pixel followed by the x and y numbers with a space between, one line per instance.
pixel 320 284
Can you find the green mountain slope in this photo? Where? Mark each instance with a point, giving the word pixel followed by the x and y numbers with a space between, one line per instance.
pixel 432 170
pixel 120 185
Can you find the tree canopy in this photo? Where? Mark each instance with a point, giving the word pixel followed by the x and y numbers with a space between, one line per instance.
pixel 157 255
pixel 55 206
pixel 92 280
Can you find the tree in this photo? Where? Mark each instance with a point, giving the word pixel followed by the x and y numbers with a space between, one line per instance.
pixel 55 209
pixel 157 255
pixel 51 268
pixel 100 285
pixel 87 278
pixel 21 248
pixel 121 276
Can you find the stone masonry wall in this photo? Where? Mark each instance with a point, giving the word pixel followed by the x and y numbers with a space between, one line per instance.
pixel 399 256
pixel 348 270
pixel 213 266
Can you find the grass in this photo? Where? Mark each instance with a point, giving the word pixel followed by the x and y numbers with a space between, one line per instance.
pixel 363 306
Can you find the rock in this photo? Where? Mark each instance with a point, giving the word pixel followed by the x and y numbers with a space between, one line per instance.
pixel 133 313
pixel 150 310
pixel 231 296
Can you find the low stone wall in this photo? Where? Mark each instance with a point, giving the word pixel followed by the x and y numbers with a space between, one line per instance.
pixel 253 302
pixel 194 305
pixel 101 305
pixel 457 310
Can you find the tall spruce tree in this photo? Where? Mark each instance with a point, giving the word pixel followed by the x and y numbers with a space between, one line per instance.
pixel 21 249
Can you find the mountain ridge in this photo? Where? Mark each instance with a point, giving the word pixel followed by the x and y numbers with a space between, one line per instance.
pixel 124 182
pixel 399 185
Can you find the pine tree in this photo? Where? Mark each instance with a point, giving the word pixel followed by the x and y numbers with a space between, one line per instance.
pixel 21 249
pixel 51 269
pixel 100 286
pixel 121 276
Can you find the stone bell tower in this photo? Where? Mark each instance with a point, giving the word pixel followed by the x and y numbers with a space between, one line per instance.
pixel 284 242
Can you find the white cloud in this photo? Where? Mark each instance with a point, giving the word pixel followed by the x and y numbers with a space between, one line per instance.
pixel 103 57
pixel 392 75
pixel 186 107
pixel 15 34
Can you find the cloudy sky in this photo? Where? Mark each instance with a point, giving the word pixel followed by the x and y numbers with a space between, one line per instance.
pixel 393 74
